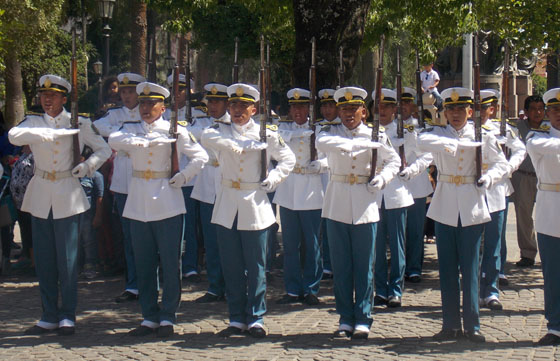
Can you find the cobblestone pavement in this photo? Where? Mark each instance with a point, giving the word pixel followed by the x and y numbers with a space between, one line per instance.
pixel 295 332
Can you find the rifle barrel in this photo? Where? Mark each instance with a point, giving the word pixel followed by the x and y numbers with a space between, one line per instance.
pixel 400 120
pixel 419 100
pixel 477 118
pixel 375 128
pixel 262 111
pixel 74 99
pixel 312 101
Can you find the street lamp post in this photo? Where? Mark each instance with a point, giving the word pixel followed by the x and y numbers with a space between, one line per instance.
pixel 98 70
pixel 106 12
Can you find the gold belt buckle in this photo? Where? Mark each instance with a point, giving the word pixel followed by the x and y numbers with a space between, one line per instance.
pixel 557 187
pixel 352 179
pixel 297 170
pixel 215 163
pixel 458 180
pixel 148 174
pixel 51 176
pixel 235 184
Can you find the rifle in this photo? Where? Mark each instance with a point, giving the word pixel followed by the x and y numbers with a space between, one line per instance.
pixel 419 100
pixel 262 111
pixel 340 68
pixel 174 118
pixel 375 128
pixel 312 102
pixel 188 109
pixel 477 118
pixel 400 121
pixel 505 92
pixel 268 84
pixel 74 98
pixel 235 70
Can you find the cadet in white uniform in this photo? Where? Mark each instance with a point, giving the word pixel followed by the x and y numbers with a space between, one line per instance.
pixel 420 186
pixel 351 208
pixel 459 209
pixel 497 203
pixel 155 206
pixel 242 211
pixel 205 187
pixel 55 198
pixel 394 201
pixel 300 198
pixel 111 122
pixel 329 112
pixel 544 149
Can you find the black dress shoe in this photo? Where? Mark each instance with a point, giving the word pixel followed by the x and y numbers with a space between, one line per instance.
pixel 126 296
pixel 475 336
pixel 394 301
pixel 549 340
pixel 525 262
pixel 66 331
pixel 311 300
pixel 379 301
pixel 231 331
pixel 446 335
pixel 287 299
pixel 165 331
pixel 495 305
pixel 208 298
pixel 503 281
pixel 257 332
pixel 37 330
pixel 141 331
pixel 414 279
pixel 360 335
pixel 342 334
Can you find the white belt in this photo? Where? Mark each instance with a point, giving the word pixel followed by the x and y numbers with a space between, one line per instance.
pixel 549 187
pixel 150 174
pixel 54 175
pixel 456 179
pixel 350 178
pixel 299 170
pixel 246 186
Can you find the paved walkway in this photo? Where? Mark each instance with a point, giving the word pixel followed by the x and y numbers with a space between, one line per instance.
pixel 296 332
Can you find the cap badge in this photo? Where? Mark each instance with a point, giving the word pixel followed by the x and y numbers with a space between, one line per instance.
pixel 454 96
pixel 47 83
pixel 296 95
pixel 382 96
pixel 239 91
pixel 125 80
pixel 214 90
pixel 146 90
pixel 558 95
pixel 348 95
pixel 325 95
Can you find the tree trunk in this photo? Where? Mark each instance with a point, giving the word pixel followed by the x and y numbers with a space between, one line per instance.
pixel 333 23
pixel 553 75
pixel 14 91
pixel 139 32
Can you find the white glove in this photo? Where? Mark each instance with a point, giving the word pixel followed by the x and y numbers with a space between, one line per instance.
pixel 270 183
pixel 359 144
pixel 253 145
pixel 301 133
pixel 313 167
pixel 79 171
pixel 397 142
pixel 467 143
pixel 178 180
pixel 406 174
pixel 484 182
pixel 376 184
pixel 161 141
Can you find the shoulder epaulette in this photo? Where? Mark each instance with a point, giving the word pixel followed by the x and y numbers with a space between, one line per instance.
pixel 512 123
pixel 381 128
pixel 34 113
pixel 202 108
pixel 272 127
pixel 545 127
pixel 131 122
pixel 329 123
pixel 284 120
pixel 326 128
pixel 215 126
pixel 115 107
pixel 409 127
pixel 426 130
pixel 437 125
pixel 486 127
pixel 495 120
pixel 221 121
pixel 182 123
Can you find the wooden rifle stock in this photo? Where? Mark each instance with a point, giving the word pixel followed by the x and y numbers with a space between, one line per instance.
pixel 377 102
pixel 76 153
pixel 235 70
pixel 419 100
pixel 477 118
pixel 505 97
pixel 400 121
pixel 188 90
pixel 262 112
pixel 312 102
